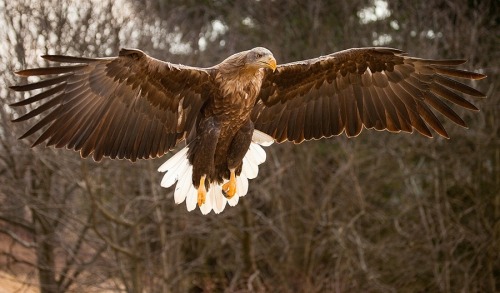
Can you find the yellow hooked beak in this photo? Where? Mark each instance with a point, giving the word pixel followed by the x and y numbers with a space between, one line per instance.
pixel 271 63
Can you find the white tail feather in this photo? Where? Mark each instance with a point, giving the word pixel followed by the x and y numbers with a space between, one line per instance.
pixel 174 167
pixel 182 188
pixel 173 160
pixel 178 169
pixel 191 199
pixel 261 138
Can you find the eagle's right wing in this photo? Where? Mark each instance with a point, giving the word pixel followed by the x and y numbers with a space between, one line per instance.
pixel 131 106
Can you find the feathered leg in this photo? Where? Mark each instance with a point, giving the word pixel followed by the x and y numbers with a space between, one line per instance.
pixel 237 150
pixel 202 154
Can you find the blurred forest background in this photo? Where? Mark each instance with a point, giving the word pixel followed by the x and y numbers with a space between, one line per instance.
pixel 378 213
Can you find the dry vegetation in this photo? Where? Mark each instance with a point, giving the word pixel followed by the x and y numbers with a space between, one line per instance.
pixel 379 213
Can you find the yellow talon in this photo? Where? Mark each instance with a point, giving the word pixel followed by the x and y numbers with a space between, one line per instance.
pixel 229 188
pixel 202 191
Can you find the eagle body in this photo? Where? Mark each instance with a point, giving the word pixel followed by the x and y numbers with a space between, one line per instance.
pixel 134 107
pixel 226 118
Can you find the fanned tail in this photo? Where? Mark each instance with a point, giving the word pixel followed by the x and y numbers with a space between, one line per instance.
pixel 178 169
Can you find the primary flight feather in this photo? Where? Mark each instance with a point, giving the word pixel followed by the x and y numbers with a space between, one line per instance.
pixel 136 107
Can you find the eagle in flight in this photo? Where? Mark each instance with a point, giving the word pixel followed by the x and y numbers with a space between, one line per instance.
pixel 136 107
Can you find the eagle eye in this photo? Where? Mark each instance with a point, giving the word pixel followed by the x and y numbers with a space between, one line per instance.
pixel 258 55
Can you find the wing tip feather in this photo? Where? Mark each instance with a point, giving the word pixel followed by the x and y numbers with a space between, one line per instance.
pixel 16 88
pixel 23 73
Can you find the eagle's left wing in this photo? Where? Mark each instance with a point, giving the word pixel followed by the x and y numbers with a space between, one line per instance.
pixel 379 88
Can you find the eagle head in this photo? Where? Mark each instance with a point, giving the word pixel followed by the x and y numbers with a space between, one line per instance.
pixel 248 62
pixel 260 58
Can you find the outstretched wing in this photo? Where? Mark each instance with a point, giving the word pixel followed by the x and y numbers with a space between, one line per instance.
pixel 131 106
pixel 379 88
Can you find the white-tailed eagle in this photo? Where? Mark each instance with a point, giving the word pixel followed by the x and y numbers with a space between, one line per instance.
pixel 136 107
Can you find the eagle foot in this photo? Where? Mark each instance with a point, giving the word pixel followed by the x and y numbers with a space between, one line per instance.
pixel 229 188
pixel 202 191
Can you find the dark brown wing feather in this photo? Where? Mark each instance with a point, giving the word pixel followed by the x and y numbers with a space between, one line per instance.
pixel 379 88
pixel 132 106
